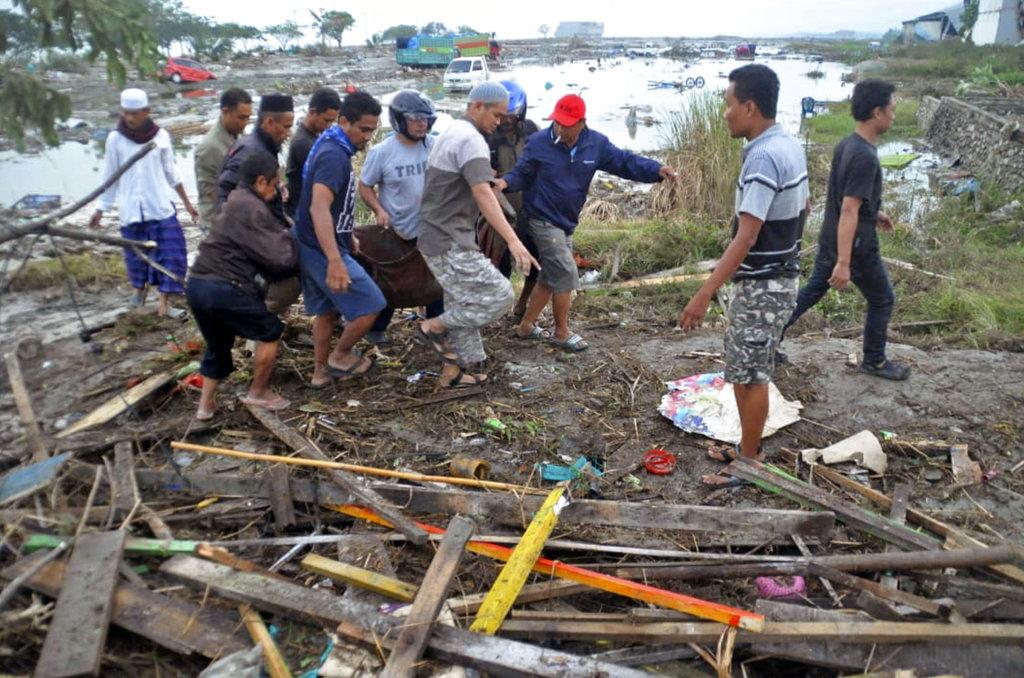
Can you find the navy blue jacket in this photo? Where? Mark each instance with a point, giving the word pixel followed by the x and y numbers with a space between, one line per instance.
pixel 555 179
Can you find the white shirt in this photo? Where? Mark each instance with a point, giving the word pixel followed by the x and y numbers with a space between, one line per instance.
pixel 143 193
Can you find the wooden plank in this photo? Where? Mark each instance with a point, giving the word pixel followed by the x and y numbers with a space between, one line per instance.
pixel 974 660
pixel 646 654
pixel 875 588
pixel 280 496
pixel 23 401
pixel 349 482
pixel 531 593
pixel 140 545
pixel 175 624
pixel 505 509
pixel 897 514
pixel 623 587
pixel 806 552
pixel 955 538
pixel 412 640
pixel 965 470
pixel 272 659
pixel 25 480
pixel 345 573
pixel 773 632
pixel 520 563
pixel 120 403
pixel 78 630
pixel 363 622
pixel 125 491
pixel 775 480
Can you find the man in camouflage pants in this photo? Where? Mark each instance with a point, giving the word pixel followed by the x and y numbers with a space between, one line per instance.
pixel 457 187
pixel 763 259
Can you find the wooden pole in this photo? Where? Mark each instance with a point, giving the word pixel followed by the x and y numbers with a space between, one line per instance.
pixel 24 403
pixel 356 468
pixel 276 666
pixel 623 587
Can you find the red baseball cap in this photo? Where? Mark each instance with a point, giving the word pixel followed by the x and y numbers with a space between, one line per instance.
pixel 569 110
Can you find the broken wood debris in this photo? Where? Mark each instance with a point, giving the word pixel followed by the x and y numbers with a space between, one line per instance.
pixel 23 401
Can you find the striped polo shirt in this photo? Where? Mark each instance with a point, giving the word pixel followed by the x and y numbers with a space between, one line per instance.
pixel 773 187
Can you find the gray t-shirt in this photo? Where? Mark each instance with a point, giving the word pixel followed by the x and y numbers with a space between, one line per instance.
pixel 459 160
pixel 397 170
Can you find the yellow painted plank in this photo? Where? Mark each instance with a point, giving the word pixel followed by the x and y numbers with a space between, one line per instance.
pixel 357 576
pixel 513 575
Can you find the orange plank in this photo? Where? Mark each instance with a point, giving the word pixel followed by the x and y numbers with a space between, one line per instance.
pixel 630 589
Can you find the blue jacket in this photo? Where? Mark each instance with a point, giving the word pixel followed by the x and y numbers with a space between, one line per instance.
pixel 555 179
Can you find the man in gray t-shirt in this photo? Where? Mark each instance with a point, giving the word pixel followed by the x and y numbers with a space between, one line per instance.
pixel 457 188
pixel 391 183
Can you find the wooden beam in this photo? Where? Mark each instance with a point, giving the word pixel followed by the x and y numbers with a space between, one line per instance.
pixel 272 659
pixel 531 593
pixel 350 483
pixel 412 640
pixel 876 589
pixel 125 492
pixel 23 401
pixel 78 630
pixel 364 623
pixel 280 496
pixel 774 480
pixel 897 514
pixel 521 561
pixel 172 623
pixel 623 587
pixel 955 538
pixel 773 632
pixel 392 588
pixel 120 403
pixel 509 510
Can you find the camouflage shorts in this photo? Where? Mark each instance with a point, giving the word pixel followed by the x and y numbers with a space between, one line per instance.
pixel 757 313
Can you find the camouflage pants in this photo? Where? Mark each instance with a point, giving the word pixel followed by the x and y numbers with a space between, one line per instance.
pixel 755 319
pixel 475 294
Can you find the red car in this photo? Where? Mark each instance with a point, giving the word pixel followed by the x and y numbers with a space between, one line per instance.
pixel 180 69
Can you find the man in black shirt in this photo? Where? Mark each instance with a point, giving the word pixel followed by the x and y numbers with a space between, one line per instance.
pixel 324 106
pixel 848 245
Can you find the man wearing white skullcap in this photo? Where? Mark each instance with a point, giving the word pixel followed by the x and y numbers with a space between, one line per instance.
pixel 456 188
pixel 144 203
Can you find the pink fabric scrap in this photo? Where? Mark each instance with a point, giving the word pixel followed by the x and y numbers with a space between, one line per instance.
pixel 776 587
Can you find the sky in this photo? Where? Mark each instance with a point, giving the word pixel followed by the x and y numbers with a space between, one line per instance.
pixel 745 18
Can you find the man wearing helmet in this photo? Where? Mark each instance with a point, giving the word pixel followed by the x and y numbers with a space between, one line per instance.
pixel 506 144
pixel 395 168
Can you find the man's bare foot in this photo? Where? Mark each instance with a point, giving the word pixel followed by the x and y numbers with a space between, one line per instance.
pixel 321 377
pixel 205 414
pixel 269 401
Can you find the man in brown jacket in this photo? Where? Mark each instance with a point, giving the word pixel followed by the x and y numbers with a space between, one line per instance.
pixel 247 239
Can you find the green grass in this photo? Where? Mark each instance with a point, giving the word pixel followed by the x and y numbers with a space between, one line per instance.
pixel 87 269
pixel 844 51
pixel 829 128
pixel 954 60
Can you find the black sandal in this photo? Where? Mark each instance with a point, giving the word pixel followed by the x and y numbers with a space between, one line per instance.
pixel 456 382
pixel 730 454
pixel 732 481
pixel 438 343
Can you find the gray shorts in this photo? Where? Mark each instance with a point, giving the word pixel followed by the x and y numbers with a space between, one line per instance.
pixel 757 314
pixel 554 250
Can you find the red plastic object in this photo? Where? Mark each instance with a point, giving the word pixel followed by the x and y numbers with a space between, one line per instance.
pixel 194 380
pixel 659 462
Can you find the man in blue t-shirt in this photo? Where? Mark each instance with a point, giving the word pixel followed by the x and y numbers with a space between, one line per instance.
pixel 332 281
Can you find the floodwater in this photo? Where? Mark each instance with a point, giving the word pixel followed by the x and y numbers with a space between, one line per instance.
pixel 73 169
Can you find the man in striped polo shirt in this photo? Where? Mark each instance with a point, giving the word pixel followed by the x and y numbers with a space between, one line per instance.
pixel 763 259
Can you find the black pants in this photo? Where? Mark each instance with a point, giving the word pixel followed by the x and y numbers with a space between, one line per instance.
pixel 224 311
pixel 384 319
pixel 867 272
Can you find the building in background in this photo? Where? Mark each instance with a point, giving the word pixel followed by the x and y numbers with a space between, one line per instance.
pixel 940 25
pixel 1000 22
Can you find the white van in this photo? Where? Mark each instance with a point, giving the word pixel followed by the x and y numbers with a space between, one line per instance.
pixel 464 72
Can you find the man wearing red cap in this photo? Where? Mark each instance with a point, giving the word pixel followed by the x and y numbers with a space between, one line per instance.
pixel 554 174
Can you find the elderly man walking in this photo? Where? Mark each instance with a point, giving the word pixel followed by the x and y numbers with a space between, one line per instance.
pixel 145 204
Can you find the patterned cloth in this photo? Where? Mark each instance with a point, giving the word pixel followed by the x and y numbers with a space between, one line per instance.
pixel 475 294
pixel 756 317
pixel 171 252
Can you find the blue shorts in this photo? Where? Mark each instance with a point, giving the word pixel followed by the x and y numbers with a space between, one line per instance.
pixel 362 298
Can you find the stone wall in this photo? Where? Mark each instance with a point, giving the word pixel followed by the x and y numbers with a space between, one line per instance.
pixel 989 145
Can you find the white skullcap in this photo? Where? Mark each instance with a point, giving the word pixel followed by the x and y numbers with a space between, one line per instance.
pixel 134 99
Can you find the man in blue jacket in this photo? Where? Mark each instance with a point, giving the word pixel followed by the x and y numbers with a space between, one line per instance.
pixel 554 174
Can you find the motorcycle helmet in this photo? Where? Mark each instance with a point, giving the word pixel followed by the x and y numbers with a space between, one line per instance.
pixel 516 99
pixel 409 103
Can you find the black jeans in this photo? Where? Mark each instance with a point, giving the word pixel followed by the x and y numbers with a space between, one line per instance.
pixel 384 319
pixel 867 272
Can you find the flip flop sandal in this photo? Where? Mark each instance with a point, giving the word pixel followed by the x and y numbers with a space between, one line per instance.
pixel 731 481
pixel 275 405
pixel 347 374
pixel 729 454
pixel 176 313
pixel 535 334
pixel 436 341
pixel 206 416
pixel 456 382
pixel 574 343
